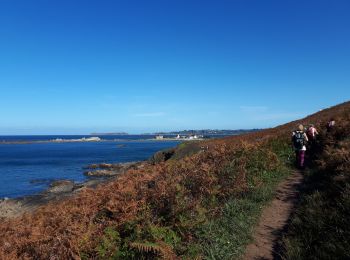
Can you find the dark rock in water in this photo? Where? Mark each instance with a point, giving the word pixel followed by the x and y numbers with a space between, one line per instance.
pixel 91 166
pixel 108 170
pixel 121 145
pixel 61 186
pixel 105 166
pixel 101 173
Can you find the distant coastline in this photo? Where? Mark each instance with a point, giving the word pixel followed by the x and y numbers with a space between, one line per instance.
pixel 96 140
pixel 184 135
pixel 92 139
pixel 56 140
pixel 202 132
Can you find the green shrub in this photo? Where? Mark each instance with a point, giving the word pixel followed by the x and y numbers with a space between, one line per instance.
pixel 110 244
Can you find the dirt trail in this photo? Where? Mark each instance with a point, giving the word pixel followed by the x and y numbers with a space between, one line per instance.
pixel 274 218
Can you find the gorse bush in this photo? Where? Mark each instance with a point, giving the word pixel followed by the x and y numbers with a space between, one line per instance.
pixel 162 210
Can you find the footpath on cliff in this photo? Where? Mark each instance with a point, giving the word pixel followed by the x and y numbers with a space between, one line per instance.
pixel 267 235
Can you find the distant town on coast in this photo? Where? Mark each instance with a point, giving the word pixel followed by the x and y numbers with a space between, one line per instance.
pixel 202 132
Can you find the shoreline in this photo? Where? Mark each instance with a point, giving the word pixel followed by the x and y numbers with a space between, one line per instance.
pixel 15 207
pixel 100 141
pixel 62 189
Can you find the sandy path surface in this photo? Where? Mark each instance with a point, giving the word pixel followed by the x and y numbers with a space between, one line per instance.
pixel 274 218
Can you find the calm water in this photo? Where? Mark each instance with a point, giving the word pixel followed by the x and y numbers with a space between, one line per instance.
pixel 27 169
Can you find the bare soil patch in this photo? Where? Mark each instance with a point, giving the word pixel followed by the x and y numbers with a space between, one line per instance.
pixel 273 221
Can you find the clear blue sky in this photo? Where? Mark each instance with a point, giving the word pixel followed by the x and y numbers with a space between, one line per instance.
pixel 73 67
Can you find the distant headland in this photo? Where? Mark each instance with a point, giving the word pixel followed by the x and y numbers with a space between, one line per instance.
pixel 210 132
pixel 201 132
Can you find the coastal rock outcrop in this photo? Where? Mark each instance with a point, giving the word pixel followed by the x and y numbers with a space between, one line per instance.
pixel 61 186
pixel 109 170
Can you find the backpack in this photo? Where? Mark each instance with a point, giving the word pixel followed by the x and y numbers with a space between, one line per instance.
pixel 298 140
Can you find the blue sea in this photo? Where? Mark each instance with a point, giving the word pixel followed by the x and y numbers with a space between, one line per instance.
pixel 28 168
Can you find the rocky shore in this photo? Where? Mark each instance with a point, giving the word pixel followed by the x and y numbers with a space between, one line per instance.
pixel 109 170
pixel 60 189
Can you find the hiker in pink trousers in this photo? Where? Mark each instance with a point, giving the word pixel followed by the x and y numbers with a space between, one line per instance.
pixel 299 140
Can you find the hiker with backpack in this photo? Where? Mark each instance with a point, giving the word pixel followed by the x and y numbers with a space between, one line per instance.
pixel 299 140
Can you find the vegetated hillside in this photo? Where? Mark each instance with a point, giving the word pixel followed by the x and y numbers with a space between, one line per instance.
pixel 320 228
pixel 193 207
